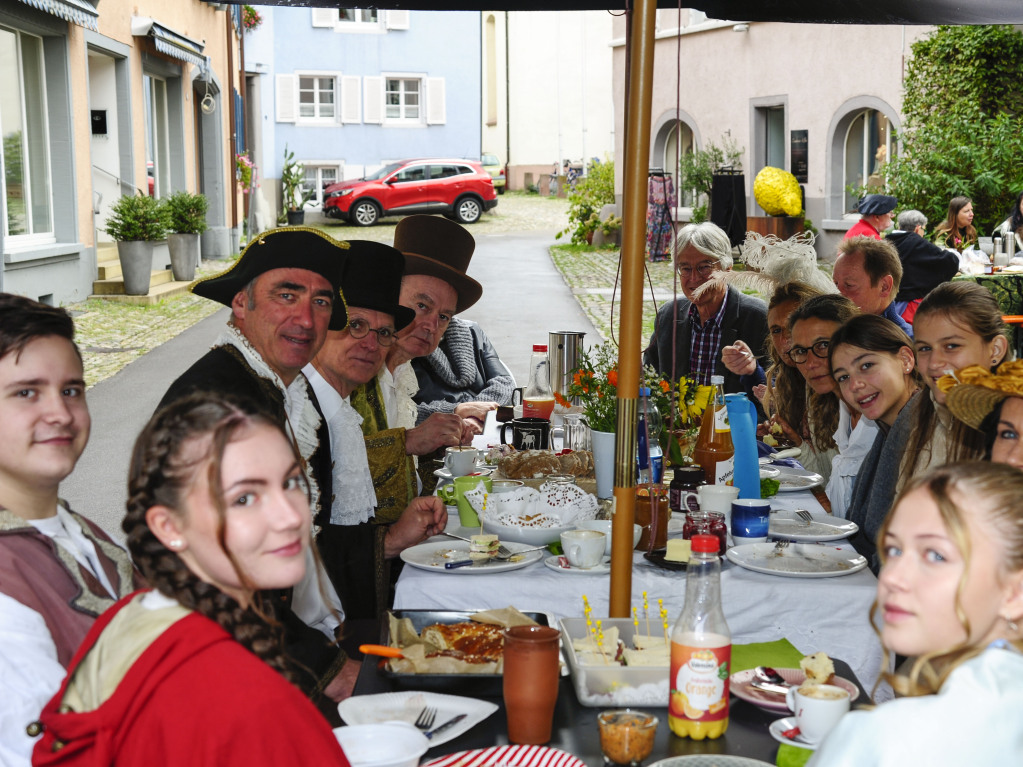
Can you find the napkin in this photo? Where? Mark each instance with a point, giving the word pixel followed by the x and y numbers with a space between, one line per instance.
pixel 779 654
pixel 553 505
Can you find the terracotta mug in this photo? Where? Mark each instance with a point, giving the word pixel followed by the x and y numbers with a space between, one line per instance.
pixel 531 675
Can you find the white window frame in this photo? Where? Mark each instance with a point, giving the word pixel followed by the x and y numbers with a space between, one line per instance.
pixel 402 121
pixel 316 119
pixel 319 166
pixel 868 150
pixel 21 241
pixel 330 18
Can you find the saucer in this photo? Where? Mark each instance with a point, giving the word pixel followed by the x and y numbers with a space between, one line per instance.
pixel 555 564
pixel 481 470
pixel 778 726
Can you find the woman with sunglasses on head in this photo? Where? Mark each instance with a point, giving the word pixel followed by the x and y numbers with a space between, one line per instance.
pixel 811 326
pixel 949 597
pixel 958 324
pixel 193 671
pixel 872 363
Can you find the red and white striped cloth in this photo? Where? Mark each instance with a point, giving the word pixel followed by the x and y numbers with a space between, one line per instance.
pixel 509 756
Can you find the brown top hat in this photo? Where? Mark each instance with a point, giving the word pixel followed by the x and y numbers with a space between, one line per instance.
pixel 439 248
pixel 295 247
pixel 373 280
pixel 974 392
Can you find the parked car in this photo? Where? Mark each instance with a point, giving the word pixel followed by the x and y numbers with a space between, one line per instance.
pixel 460 189
pixel 493 166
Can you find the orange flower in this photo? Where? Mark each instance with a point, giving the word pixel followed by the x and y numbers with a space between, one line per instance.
pixel 561 400
pixel 665 387
pixel 612 377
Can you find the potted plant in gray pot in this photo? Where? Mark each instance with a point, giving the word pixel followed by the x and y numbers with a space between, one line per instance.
pixel 136 222
pixel 186 214
pixel 293 197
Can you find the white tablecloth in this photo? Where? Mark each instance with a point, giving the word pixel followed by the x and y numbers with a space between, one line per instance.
pixel 829 614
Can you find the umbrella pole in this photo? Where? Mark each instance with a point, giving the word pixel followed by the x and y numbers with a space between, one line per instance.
pixel 637 161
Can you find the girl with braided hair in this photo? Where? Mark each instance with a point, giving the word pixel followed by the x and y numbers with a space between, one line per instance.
pixel 218 511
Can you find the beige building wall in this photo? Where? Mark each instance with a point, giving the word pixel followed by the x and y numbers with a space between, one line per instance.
pixel 821 76
pixel 554 95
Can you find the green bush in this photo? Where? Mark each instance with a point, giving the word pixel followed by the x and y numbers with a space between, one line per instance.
pixel 137 217
pixel 591 193
pixel 186 212
pixel 696 174
pixel 961 131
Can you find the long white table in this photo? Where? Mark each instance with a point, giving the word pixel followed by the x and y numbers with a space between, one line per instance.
pixel 829 614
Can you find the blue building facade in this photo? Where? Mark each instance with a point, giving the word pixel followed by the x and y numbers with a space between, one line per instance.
pixel 351 90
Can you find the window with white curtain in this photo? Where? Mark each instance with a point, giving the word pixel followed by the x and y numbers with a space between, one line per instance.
pixel 28 194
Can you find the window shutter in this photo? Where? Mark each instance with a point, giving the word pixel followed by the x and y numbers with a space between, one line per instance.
pixel 436 110
pixel 373 100
pixel 397 19
pixel 351 101
pixel 286 93
pixel 325 17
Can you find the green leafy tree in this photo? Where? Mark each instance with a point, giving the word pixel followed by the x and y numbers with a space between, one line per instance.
pixel 696 172
pixel 591 193
pixel 961 133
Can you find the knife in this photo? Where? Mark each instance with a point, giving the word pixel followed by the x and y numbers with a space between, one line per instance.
pixel 464 562
pixel 446 726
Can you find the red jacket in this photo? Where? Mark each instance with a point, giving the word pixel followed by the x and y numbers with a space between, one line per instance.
pixel 862 229
pixel 194 697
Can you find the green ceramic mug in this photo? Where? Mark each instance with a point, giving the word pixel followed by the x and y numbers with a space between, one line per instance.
pixel 466 514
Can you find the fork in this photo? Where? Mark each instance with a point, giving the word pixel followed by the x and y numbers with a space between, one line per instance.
pixel 804 515
pixel 505 554
pixel 426 718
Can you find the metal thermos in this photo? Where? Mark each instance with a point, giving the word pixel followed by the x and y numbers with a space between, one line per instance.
pixel 563 350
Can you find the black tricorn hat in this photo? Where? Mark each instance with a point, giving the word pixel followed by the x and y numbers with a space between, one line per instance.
pixel 373 280
pixel 439 248
pixel 876 204
pixel 296 247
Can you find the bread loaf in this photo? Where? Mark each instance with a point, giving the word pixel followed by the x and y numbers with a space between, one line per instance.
pixel 578 463
pixel 526 464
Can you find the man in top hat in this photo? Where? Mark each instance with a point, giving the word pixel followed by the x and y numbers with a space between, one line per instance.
pixel 357 541
pixel 435 286
pixel 875 216
pixel 284 293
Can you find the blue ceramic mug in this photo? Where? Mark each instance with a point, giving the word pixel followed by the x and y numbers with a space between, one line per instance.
pixel 750 519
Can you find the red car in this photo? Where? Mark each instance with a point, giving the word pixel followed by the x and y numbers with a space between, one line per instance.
pixel 460 189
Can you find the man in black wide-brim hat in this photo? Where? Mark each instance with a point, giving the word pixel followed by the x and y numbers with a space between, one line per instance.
pixel 359 540
pixel 284 293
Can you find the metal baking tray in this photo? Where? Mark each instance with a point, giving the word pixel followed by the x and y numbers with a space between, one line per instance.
pixel 478 684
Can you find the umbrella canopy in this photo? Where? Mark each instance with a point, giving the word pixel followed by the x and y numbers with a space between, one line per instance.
pixel 797 11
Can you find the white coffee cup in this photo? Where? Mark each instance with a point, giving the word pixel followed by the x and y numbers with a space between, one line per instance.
pixel 460 460
pixel 584 548
pixel 817 708
pixel 506 485
pixel 718 498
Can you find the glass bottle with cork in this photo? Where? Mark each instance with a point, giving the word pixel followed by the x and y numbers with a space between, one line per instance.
pixel 714 451
pixel 538 397
pixel 701 650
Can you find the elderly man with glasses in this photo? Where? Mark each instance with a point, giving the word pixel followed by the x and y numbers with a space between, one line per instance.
pixel 690 333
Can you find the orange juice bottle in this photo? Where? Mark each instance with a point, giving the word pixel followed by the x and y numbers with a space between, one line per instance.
pixel 538 397
pixel 701 650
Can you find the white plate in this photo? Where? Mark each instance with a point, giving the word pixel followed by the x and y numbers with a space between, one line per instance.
pixel 432 556
pixel 533 536
pixel 406 706
pixel 710 760
pixel 510 756
pixel 554 563
pixel 787 526
pixel 779 726
pixel 481 469
pixel 794 480
pixel 769 472
pixel 741 688
pixel 798 560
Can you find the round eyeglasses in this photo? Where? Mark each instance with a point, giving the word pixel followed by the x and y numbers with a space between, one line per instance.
pixel 798 354
pixel 703 271
pixel 360 329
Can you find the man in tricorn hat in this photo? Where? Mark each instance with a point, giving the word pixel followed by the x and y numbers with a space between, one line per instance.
pixel 284 292
pixel 435 287
pixel 875 216
pixel 358 539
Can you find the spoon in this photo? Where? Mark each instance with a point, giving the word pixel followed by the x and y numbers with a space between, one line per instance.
pixel 769 680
